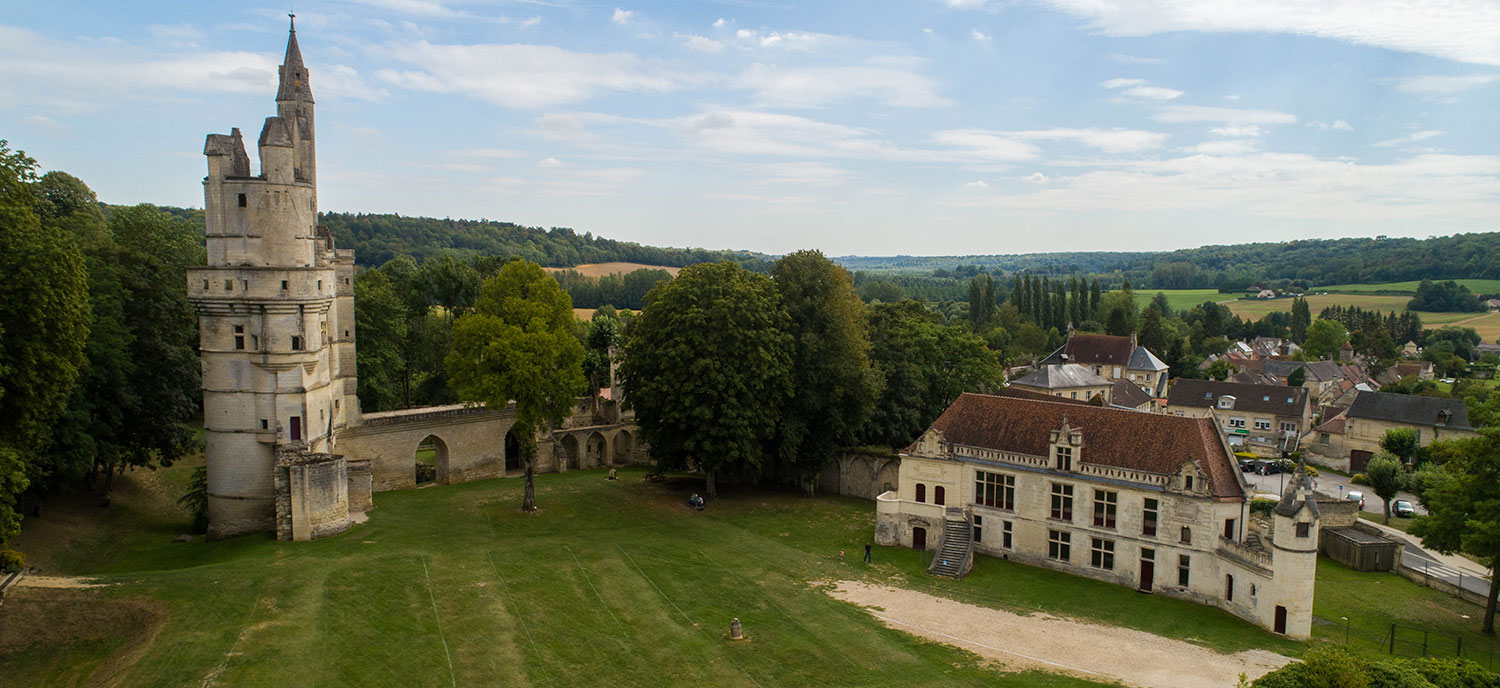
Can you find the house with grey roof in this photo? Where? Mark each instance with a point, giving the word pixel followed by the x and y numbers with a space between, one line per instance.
pixel 1264 419
pixel 1069 381
pixel 1114 358
pixel 1349 440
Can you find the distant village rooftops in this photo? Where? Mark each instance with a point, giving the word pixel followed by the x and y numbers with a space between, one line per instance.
pixel 1411 409
pixel 1093 349
pixel 1127 394
pixel 1150 442
pixel 1273 399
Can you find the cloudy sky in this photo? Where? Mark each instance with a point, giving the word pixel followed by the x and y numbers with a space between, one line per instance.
pixel 874 128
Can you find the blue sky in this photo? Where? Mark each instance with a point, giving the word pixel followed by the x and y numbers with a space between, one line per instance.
pixel 874 128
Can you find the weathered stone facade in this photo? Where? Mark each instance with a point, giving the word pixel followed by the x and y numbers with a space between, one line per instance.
pixel 1165 512
pixel 275 307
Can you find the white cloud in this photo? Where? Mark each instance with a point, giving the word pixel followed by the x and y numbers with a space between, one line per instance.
pixel 1409 138
pixel 1462 30
pixel 1133 59
pixel 1231 147
pixel 1107 140
pixel 927 31
pixel 1231 116
pixel 425 8
pixel 528 23
pixel 43 122
pixel 744 34
pixel 805 41
pixel 719 23
pixel 977 184
pixel 549 162
pixel 1239 130
pixel 1153 92
pixel 802 173
pixel 1337 125
pixel 1035 178
pixel 978 35
pixel 621 16
pixel 531 76
pixel 703 44
pixel 1443 84
pixel 1232 97
pixel 966 4
pixel 1123 82
pixel 891 80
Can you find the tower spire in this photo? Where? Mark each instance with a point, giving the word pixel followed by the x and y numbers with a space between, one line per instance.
pixel 293 72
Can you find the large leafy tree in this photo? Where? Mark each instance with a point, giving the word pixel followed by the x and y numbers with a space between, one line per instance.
pixel 1402 443
pixel 1153 336
pixel 518 345
pixel 923 366
pixel 1324 337
pixel 380 322
pixel 44 314
pixel 1463 505
pixel 707 368
pixel 835 385
pixel 1385 475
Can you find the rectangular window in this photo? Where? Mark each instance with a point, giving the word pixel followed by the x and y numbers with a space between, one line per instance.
pixel 1182 569
pixel 284 285
pixel 1303 529
pixel 205 285
pixel 296 343
pixel 1262 424
pixel 978 529
pixel 320 285
pixel 1148 554
pixel 1148 518
pixel 1288 427
pixel 996 490
pixel 1059 545
pixel 265 424
pixel 1236 422
pixel 239 336
pixel 255 342
pixel 1228 529
pixel 1064 458
pixel 1187 535
pixel 1104 508
pixel 1102 554
pixel 228 285
pixel 242 200
pixel 1187 482
pixel 1062 502
pixel 1006 529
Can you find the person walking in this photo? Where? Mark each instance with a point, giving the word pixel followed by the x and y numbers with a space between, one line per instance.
pixel 867 552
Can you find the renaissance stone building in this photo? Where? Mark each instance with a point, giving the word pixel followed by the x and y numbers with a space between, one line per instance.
pixel 1152 501
pixel 285 444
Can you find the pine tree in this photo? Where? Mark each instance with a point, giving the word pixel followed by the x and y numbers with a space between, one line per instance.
pixel 1093 308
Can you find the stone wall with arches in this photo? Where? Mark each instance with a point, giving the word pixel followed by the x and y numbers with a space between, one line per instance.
pixel 475 442
pixel 860 475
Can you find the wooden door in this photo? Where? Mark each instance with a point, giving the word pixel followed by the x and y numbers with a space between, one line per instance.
pixel 296 428
pixel 1148 575
pixel 1228 588
pixel 938 497
pixel 919 538
pixel 1281 619
pixel 1358 460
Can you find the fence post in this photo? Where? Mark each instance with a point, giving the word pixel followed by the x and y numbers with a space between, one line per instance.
pixel 1424 642
pixel 1393 639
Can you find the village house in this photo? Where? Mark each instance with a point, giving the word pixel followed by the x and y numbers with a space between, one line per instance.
pixel 1114 358
pixel 1264 419
pixel 1128 395
pixel 1347 439
pixel 1152 501
pixel 1070 381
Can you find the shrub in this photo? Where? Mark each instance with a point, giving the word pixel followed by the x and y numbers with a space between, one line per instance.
pixel 11 561
pixel 1312 471
pixel 1245 455
pixel 196 499
pixel 1262 506
pixel 1359 479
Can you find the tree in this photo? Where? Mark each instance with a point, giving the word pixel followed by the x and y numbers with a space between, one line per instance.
pixel 1297 378
pixel 923 367
pixel 44 318
pixel 1219 370
pixel 1384 473
pixel 835 387
pixel 451 284
pixel 1094 299
pixel 1402 443
pixel 1152 336
pixel 1118 313
pixel 518 345
pixel 707 368
pixel 1324 337
pixel 380 321
pixel 1463 506
pixel 981 299
pixel 1301 318
pixel 603 336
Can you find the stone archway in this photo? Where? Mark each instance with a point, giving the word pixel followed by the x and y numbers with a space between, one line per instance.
pixel 570 452
pixel 430 461
pixel 512 452
pixel 624 446
pixel 596 450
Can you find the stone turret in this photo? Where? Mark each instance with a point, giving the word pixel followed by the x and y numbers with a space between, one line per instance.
pixel 275 312
pixel 1294 546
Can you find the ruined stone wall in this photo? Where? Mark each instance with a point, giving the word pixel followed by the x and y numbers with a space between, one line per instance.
pixel 857 475
pixel 312 495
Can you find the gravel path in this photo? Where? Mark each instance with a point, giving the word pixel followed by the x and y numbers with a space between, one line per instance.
pixel 56 582
pixel 1049 643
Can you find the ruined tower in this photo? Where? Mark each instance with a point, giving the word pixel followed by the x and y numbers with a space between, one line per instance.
pixel 275 306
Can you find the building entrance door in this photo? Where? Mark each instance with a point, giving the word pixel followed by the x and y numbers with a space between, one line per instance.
pixel 1148 575
pixel 1281 619
pixel 919 538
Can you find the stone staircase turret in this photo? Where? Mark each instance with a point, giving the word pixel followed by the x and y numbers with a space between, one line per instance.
pixel 955 547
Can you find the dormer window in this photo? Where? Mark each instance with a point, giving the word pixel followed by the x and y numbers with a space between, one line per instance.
pixel 1187 483
pixel 1064 458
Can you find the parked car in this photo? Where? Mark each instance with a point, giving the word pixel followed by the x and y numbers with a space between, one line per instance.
pixel 1270 467
pixel 1356 496
pixel 1249 466
pixel 1403 508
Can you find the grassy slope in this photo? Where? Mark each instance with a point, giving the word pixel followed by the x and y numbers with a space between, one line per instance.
pixel 610 579
pixel 1181 299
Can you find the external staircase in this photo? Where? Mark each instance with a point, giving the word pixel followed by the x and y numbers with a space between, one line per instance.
pixel 955 546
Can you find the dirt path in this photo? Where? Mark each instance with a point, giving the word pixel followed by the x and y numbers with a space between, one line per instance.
pixel 1049 643
pixel 57 582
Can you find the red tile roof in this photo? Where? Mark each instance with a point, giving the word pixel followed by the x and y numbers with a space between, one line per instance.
pixel 1094 349
pixel 1112 437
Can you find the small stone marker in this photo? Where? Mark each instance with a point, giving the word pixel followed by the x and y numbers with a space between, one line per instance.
pixel 735 632
pixel 611 474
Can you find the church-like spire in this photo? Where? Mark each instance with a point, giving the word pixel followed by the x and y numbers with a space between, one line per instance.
pixel 293 73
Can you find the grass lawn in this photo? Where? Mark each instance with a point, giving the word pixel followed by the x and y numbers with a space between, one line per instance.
pixel 1181 299
pixel 612 582
pixel 1373 601
pixel 1255 309
pixel 1478 286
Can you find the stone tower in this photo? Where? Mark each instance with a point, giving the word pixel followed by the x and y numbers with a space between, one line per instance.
pixel 275 306
pixel 1294 544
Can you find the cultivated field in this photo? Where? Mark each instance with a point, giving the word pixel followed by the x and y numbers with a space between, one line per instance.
pixel 602 269
pixel 612 582
pixel 1478 286
pixel 1181 299
pixel 1486 324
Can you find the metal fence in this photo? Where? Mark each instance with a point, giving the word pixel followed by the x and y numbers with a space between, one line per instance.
pixel 1402 640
